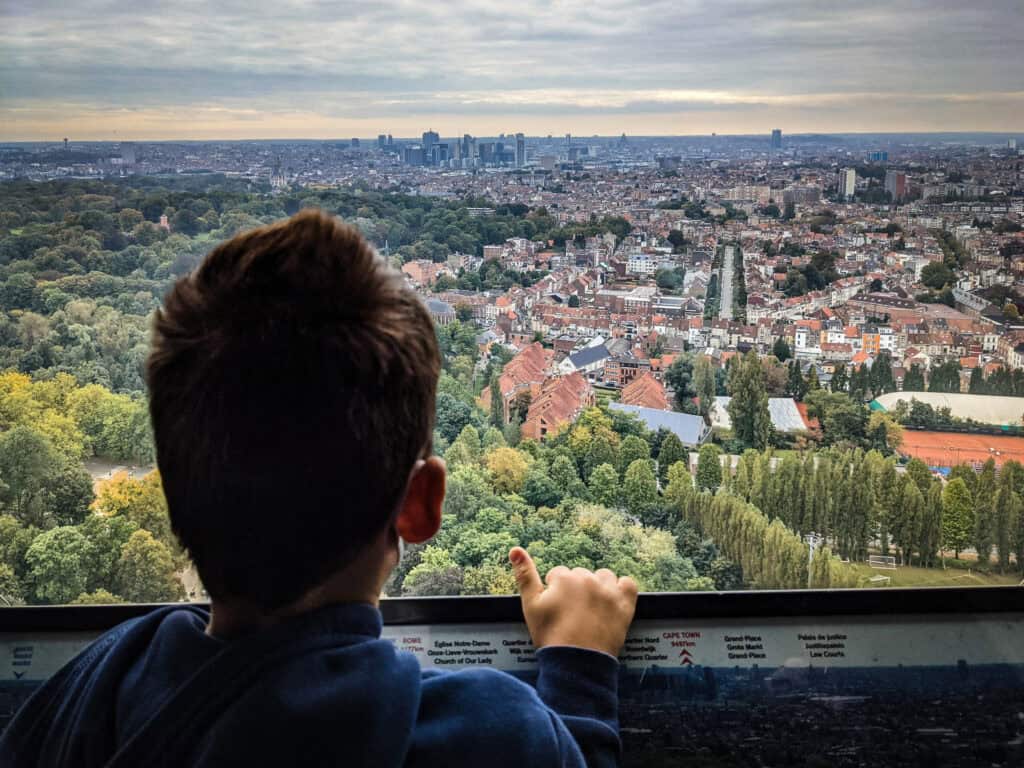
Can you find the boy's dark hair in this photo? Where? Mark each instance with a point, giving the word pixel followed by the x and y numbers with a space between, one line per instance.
pixel 292 383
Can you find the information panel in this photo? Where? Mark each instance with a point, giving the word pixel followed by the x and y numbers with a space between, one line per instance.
pixel 802 691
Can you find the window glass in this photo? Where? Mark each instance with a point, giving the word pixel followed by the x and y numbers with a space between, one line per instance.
pixel 719 307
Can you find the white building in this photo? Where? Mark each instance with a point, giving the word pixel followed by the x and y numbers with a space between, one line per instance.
pixel 887 340
pixel 847 182
pixel 642 264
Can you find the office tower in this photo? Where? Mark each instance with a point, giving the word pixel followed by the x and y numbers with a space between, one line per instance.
pixel 1010 143
pixel 847 183
pixel 65 145
pixel 520 150
pixel 413 156
pixel 128 154
pixel 390 141
pixel 381 141
pixel 568 139
pixel 430 138
pixel 896 184
pixel 355 143
pixel 776 138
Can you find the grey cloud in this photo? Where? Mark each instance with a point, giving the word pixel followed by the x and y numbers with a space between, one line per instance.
pixel 283 53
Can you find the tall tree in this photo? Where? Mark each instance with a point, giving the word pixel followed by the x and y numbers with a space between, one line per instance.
pixel 931 526
pixel 860 384
pixel 913 381
pixel 796 384
pixel 839 378
pixel 709 468
pixel 748 408
pixel 58 565
pixel 1004 515
pixel 813 383
pixel 639 487
pixel 957 516
pixel 632 448
pixel 452 415
pixel 781 350
pixel 497 401
pixel 1017 525
pixel 70 493
pixel 604 485
pixel 563 473
pixel 107 535
pixel 704 384
pixel 679 489
pixel 672 450
pixel 881 377
pixel 145 571
pixel 918 471
pixel 679 377
pixel 966 473
pixel 540 490
pixel 944 377
pixel 984 512
pixel 906 531
pixel 977 385
pixel 27 464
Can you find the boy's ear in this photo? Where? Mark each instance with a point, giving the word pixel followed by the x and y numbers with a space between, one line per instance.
pixel 420 516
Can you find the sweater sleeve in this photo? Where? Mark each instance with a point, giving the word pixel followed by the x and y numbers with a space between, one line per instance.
pixel 581 688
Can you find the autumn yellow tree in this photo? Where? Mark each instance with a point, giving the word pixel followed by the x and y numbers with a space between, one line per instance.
pixel 141 501
pixel 508 469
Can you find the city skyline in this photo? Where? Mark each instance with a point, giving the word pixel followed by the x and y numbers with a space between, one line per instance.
pixel 314 70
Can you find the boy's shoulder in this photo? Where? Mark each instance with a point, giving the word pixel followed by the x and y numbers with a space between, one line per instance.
pixel 481 683
pixel 481 713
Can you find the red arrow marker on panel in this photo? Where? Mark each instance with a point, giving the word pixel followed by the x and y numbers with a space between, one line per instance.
pixel 685 656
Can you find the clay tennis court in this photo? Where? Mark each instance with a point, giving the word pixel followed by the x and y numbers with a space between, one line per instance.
pixel 947 449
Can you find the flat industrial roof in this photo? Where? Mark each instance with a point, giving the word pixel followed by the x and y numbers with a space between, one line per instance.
pixel 783 411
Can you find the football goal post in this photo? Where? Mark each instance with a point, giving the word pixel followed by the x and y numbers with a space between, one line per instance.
pixel 885 562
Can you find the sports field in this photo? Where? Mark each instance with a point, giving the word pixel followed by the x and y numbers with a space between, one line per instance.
pixel 912 576
pixel 947 449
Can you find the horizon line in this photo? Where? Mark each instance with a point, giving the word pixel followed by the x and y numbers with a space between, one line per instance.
pixel 373 138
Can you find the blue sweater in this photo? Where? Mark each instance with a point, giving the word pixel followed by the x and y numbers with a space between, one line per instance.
pixel 319 689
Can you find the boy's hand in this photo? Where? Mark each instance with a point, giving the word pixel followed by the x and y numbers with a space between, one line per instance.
pixel 578 607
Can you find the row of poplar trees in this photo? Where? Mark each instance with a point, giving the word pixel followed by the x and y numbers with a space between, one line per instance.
pixel 858 499
pixel 771 554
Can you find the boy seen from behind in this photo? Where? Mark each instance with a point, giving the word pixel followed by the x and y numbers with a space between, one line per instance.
pixel 292 383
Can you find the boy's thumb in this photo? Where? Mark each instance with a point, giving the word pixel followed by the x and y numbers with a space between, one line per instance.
pixel 527 578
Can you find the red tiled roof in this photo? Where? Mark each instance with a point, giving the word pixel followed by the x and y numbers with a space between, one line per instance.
pixel 645 391
pixel 812 424
pixel 560 400
pixel 526 370
pixel 969 362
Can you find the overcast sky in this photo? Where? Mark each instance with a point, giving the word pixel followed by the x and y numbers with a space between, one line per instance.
pixel 106 69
